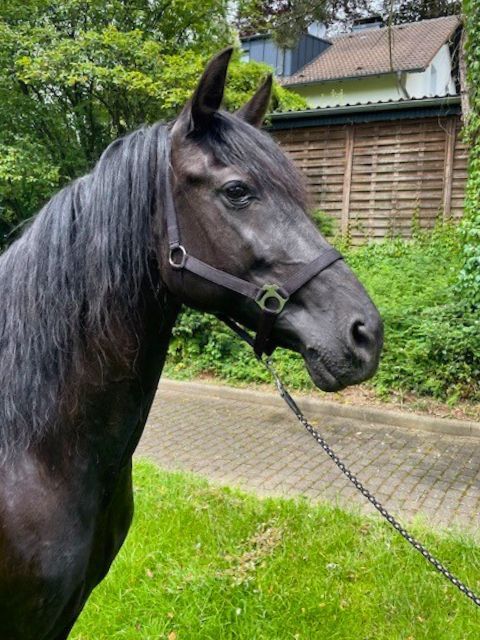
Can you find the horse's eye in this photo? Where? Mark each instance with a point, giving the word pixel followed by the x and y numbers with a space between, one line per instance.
pixel 237 193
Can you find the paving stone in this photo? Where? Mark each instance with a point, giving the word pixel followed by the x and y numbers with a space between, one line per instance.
pixel 264 449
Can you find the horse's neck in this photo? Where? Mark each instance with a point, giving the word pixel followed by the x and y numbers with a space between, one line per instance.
pixel 126 401
pixel 109 417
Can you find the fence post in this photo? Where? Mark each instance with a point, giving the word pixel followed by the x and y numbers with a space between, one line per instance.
pixel 347 178
pixel 450 141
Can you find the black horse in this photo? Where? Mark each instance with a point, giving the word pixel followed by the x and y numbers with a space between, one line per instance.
pixel 88 301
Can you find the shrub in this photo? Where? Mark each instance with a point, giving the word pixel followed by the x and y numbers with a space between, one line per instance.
pixel 325 223
pixel 433 351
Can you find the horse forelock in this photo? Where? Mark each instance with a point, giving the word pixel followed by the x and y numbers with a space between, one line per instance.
pixel 234 142
pixel 89 246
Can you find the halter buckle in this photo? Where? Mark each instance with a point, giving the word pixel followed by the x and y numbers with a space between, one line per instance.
pixel 269 293
pixel 183 257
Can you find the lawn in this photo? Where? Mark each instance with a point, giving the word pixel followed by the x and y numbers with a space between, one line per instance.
pixel 203 562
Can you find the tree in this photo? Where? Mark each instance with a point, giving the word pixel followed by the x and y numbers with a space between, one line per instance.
pixel 287 19
pixel 76 74
pixel 27 178
pixel 415 10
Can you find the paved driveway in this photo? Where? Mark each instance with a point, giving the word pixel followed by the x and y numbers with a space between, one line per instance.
pixel 248 440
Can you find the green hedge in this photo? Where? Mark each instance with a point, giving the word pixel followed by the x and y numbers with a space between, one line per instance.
pixel 432 338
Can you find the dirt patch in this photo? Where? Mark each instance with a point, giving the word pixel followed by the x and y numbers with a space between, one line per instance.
pixel 257 548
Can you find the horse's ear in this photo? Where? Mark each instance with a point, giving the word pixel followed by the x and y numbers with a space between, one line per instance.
pixel 208 95
pixel 255 109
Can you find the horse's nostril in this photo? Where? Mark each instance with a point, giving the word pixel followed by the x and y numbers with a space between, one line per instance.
pixel 360 335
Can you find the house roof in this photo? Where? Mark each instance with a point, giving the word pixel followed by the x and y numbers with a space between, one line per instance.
pixel 367 52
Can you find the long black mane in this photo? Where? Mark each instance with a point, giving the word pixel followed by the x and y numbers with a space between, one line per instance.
pixel 75 275
pixel 77 272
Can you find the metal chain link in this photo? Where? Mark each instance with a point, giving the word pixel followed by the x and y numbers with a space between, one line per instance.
pixel 365 492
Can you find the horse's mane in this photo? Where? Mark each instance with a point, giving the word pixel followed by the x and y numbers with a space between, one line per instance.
pixel 88 246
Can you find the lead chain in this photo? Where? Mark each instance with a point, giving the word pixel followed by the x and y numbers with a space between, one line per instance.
pixel 365 492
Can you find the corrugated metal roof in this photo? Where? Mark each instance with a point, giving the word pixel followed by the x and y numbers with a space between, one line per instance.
pixel 439 99
pixel 439 106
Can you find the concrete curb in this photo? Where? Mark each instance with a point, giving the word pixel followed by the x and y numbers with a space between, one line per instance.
pixel 316 407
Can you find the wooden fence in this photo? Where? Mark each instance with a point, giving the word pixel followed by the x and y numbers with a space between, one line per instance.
pixel 377 178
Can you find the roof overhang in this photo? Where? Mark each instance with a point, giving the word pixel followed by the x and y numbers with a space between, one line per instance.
pixel 371 112
pixel 376 74
pixel 268 36
pixel 255 36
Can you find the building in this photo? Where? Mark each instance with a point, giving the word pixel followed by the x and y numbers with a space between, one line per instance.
pixel 376 64
pixel 284 62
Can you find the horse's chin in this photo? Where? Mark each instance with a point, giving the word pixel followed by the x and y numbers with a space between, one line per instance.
pixel 321 376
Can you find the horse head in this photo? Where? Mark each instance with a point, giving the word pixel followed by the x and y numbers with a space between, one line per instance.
pixel 241 208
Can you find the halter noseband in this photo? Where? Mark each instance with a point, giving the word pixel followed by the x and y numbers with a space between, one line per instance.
pixel 271 298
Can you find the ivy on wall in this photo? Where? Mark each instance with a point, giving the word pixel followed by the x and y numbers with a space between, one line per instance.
pixel 469 281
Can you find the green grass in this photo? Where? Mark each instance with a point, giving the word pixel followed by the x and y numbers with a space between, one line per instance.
pixel 209 563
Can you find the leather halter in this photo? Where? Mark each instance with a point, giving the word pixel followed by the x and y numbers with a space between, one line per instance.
pixel 271 297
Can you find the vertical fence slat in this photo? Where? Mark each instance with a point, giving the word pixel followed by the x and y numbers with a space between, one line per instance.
pixel 347 179
pixel 450 142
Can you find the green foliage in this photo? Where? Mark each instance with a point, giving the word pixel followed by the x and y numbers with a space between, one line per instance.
pixel 76 74
pixel 469 280
pixel 203 562
pixel 27 177
pixel 414 10
pixel 243 80
pixel 286 19
pixel 432 340
pixel 202 344
pixel 325 223
pixel 432 344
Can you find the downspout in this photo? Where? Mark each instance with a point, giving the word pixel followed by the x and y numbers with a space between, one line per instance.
pixel 400 75
pixel 402 84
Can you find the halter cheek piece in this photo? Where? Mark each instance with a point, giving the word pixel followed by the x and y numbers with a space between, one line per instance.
pixel 271 298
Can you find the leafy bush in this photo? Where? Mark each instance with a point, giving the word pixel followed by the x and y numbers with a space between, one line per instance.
pixel 432 339
pixel 203 345
pixel 325 223
pixel 431 336
pixel 469 279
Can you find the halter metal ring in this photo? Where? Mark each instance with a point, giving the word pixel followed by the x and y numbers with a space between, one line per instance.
pixel 183 259
pixel 269 293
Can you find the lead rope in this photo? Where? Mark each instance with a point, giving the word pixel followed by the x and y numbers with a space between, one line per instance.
pixel 365 492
